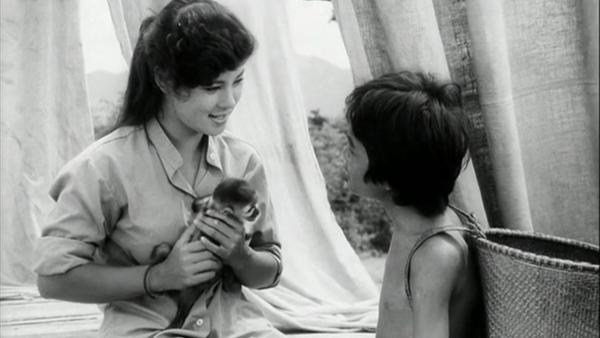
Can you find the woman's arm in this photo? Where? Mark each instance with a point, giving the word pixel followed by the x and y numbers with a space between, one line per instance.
pixel 257 270
pixel 188 264
pixel 94 283
pixel 436 267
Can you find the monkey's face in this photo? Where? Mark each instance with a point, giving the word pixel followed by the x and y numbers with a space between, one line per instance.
pixel 244 211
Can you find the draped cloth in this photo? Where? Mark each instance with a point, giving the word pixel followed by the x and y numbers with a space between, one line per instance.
pixel 324 286
pixel 529 72
pixel 45 120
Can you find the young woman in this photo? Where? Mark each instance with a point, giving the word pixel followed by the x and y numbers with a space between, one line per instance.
pixel 130 190
pixel 408 143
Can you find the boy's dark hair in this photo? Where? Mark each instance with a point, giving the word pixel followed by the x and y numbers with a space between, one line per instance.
pixel 415 134
pixel 189 43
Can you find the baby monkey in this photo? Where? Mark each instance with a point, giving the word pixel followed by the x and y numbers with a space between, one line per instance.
pixel 234 197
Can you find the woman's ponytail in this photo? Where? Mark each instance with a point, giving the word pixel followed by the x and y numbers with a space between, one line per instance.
pixel 143 98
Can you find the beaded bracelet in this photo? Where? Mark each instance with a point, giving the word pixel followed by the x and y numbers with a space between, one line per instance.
pixel 149 292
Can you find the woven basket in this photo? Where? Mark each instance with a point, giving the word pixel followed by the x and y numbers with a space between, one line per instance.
pixel 537 285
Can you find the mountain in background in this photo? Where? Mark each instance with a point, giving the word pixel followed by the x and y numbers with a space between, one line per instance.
pixel 324 87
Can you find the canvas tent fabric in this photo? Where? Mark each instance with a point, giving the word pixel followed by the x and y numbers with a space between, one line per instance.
pixel 529 71
pixel 45 120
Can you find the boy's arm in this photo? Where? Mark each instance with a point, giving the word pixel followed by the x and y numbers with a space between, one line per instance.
pixel 436 267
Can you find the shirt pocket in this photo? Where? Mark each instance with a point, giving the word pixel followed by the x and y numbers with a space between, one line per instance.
pixel 151 221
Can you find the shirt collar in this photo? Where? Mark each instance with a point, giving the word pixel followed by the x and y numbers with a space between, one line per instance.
pixel 169 155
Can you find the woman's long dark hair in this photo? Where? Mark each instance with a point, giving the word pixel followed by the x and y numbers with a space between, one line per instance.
pixel 189 43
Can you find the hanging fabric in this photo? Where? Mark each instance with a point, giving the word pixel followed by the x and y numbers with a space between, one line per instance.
pixel 45 120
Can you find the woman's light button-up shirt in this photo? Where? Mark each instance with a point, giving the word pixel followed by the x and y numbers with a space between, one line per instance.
pixel 125 194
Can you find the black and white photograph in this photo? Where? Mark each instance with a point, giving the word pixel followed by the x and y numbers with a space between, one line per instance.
pixel 299 169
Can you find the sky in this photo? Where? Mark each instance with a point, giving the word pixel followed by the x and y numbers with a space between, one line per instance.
pixel 312 34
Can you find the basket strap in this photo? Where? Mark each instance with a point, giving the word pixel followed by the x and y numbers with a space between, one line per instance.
pixel 424 237
pixel 469 219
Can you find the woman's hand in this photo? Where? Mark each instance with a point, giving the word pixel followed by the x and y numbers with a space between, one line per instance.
pixel 188 264
pixel 226 237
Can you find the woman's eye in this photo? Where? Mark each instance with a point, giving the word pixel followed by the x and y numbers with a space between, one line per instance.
pixel 238 81
pixel 212 89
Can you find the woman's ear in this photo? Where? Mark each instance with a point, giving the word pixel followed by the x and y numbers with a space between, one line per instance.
pixel 160 82
pixel 387 190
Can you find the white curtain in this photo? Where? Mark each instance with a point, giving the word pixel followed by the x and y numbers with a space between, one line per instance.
pixel 45 120
pixel 529 70
pixel 324 286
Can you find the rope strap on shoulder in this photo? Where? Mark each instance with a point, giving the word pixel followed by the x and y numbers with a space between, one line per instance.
pixel 470 225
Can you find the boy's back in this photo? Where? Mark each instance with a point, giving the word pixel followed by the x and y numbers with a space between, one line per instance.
pixel 430 267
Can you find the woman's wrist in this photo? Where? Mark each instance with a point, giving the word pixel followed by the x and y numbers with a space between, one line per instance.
pixel 259 270
pixel 154 279
pixel 243 260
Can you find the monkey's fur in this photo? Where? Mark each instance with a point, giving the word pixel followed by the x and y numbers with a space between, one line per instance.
pixel 232 196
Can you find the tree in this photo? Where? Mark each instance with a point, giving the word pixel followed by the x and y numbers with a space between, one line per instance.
pixel 363 221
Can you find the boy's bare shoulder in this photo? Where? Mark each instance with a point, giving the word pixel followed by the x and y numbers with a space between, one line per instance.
pixel 442 251
pixel 438 261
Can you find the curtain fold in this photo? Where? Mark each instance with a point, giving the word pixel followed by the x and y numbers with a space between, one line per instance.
pixel 324 286
pixel 529 71
pixel 492 66
pixel 45 119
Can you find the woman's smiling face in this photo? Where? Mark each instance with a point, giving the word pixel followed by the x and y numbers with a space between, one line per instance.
pixel 204 110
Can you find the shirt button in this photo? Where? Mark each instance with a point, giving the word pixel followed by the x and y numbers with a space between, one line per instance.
pixel 212 156
pixel 199 322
